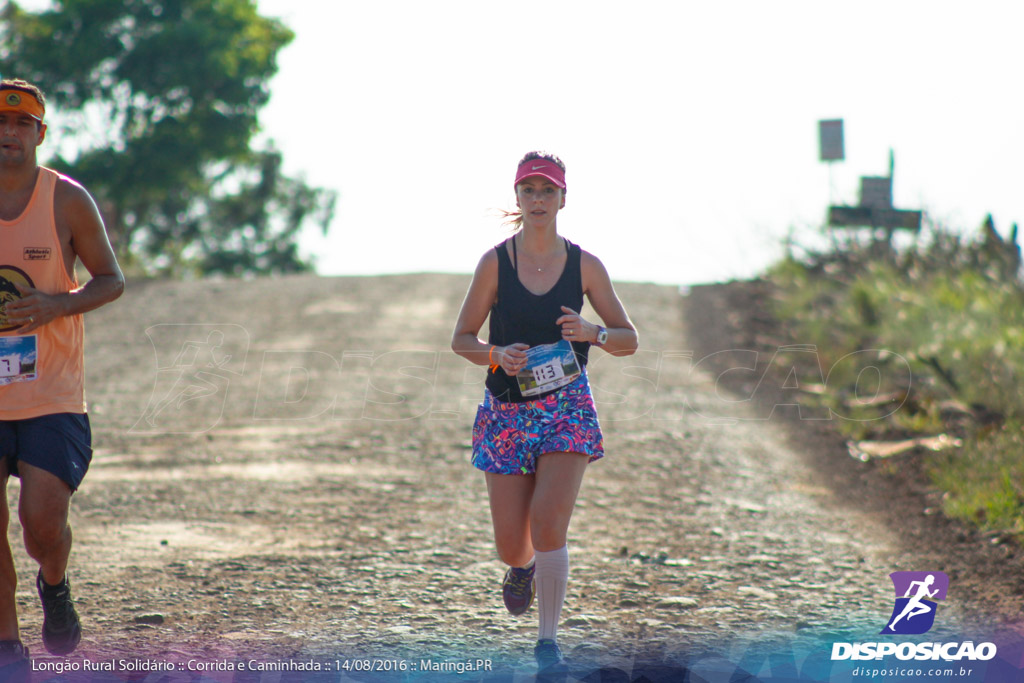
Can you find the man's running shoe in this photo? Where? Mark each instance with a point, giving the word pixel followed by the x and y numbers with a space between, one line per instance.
pixel 549 659
pixel 517 590
pixel 15 666
pixel 61 629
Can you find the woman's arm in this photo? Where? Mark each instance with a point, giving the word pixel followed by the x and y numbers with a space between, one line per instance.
pixel 597 285
pixel 483 291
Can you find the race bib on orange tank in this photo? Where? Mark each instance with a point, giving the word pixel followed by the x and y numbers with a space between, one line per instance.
pixel 18 357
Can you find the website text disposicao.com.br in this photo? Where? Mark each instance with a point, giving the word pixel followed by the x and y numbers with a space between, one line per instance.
pixel 905 673
pixel 960 659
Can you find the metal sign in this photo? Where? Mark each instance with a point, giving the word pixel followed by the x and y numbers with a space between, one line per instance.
pixel 876 192
pixel 866 217
pixel 830 140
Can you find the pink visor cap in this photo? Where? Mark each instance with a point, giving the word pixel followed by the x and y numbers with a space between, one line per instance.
pixel 542 168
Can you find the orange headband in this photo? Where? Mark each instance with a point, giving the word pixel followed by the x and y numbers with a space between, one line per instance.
pixel 20 101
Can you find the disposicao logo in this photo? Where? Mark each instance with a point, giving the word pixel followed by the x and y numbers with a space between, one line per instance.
pixel 917 596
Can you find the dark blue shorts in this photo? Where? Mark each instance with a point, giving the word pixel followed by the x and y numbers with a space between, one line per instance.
pixel 61 444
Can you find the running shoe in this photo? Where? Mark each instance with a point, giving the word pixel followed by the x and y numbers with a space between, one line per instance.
pixel 61 629
pixel 517 590
pixel 549 659
pixel 15 666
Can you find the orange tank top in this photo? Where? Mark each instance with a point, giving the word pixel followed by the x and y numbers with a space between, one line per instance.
pixel 42 372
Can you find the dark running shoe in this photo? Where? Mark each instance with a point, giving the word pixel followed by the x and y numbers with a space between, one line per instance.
pixel 15 666
pixel 61 629
pixel 517 590
pixel 549 659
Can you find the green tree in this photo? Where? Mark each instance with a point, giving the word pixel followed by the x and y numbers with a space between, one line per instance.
pixel 161 99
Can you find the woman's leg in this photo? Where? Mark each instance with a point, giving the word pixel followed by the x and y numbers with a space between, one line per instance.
pixel 510 496
pixel 559 476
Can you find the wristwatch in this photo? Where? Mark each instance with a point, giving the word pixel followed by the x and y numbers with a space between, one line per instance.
pixel 602 336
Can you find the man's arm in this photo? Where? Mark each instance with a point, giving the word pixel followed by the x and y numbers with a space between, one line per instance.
pixel 78 220
pixel 90 243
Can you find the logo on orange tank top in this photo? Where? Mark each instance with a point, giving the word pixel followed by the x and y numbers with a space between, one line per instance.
pixel 9 277
pixel 37 253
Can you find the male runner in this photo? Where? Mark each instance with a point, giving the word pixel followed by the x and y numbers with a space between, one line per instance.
pixel 47 222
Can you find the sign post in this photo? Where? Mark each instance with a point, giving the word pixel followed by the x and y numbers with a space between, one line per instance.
pixel 830 140
pixel 875 208
pixel 831 148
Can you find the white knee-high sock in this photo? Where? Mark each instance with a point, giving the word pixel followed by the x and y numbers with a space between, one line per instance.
pixel 552 576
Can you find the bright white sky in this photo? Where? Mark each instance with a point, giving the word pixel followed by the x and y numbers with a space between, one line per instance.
pixel 689 128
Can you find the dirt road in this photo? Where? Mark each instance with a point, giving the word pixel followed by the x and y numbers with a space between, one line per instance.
pixel 282 472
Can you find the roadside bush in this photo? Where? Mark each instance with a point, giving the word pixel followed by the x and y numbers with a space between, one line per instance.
pixel 953 308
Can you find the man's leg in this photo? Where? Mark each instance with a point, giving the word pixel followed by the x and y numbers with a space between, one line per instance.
pixel 44 505
pixel 45 502
pixel 8 576
pixel 14 661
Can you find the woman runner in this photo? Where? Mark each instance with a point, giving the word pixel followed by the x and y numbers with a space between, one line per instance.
pixel 537 428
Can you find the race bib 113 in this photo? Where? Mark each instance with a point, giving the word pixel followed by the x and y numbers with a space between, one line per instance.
pixel 549 366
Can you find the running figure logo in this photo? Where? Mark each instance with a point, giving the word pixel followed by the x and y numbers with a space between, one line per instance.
pixel 195 366
pixel 917 594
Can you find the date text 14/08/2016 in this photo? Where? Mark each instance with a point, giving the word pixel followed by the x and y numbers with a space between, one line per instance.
pixel 310 665
pixel 423 665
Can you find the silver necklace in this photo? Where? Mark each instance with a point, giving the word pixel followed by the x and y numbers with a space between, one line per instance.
pixel 540 270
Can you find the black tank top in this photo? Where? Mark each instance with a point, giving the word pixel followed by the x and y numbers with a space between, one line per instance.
pixel 519 315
